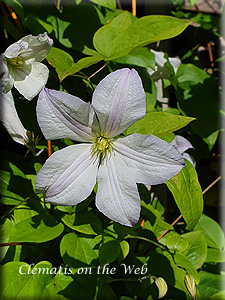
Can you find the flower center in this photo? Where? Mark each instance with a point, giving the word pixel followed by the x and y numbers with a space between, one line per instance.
pixel 101 146
pixel 15 61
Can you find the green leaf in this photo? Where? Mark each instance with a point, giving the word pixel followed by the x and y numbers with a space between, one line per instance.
pixel 38 229
pixel 215 255
pixel 64 64
pixel 198 97
pixel 161 263
pixel 105 36
pixel 159 124
pixel 77 252
pixel 212 232
pixel 153 220
pixel 106 293
pixel 5 229
pixel 176 242
pixel 210 284
pixel 84 222
pixel 109 252
pixel 197 250
pixel 10 28
pixel 24 286
pixel 218 296
pixel 141 57
pixel 37 25
pixel 125 248
pixel 111 4
pixel 120 36
pixel 14 185
pixel 59 26
pixel 60 60
pixel 81 64
pixel 187 193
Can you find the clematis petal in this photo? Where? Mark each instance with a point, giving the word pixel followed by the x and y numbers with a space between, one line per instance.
pixel 152 160
pixel 6 80
pixel 181 144
pixel 30 79
pixel 34 47
pixel 68 176
pixel 10 119
pixel 117 195
pixel 62 115
pixel 119 101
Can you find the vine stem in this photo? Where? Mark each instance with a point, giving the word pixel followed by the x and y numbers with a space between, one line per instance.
pixel 180 216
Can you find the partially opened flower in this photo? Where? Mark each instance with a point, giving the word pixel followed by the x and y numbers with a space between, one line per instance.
pixel 161 70
pixel 116 162
pixel 21 67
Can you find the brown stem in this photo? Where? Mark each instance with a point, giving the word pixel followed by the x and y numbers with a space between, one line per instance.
pixel 134 7
pixel 102 67
pixel 119 4
pixel 210 55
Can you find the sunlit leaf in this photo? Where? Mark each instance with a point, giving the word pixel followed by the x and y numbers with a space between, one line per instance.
pixel 187 193
pixel 159 124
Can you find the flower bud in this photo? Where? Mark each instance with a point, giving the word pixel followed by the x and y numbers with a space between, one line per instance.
pixel 190 285
pixel 162 287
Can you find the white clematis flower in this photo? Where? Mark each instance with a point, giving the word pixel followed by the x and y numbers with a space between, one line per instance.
pixel 116 163
pixel 21 67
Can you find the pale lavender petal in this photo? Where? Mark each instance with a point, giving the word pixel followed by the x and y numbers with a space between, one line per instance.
pixel 119 101
pixel 181 144
pixel 152 160
pixel 117 195
pixel 159 58
pixel 62 115
pixel 68 176
pixel 190 158
pixel 10 118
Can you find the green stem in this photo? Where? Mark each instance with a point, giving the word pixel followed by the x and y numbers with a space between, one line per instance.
pixel 146 240
pixel 14 207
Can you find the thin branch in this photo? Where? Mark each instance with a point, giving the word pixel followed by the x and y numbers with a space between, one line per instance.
pixel 134 8
pixel 210 55
pixel 165 232
pixel 49 148
pixel 102 67
pixel 211 185
pixel 119 4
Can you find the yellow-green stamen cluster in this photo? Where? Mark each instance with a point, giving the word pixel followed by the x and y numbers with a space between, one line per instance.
pixel 15 61
pixel 102 146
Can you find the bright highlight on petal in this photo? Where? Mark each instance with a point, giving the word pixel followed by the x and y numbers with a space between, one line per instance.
pixel 118 163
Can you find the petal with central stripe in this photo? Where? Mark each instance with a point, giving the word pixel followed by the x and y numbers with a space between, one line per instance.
pixel 119 101
pixel 152 160
pixel 61 115
pixel 117 195
pixel 68 176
